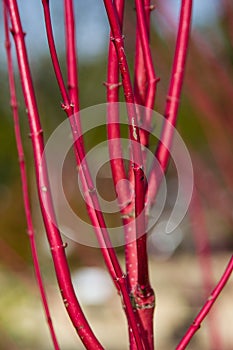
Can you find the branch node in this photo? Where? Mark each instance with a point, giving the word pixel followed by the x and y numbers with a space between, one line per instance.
pixel 66 302
pixel 112 86
pixel 128 216
pixel 37 133
pixel 12 31
pixel 172 99
pixel 44 189
pixel 151 7
pixel 66 106
pixel 92 190
pixel 121 278
pixel 62 246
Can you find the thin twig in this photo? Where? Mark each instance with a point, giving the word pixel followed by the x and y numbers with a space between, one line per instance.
pixel 27 207
pixel 137 263
pixel 173 98
pixel 207 307
pixel 91 198
pixel 113 123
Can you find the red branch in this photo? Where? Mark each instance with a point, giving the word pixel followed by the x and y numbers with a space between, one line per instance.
pixel 140 74
pixel 207 307
pixel 142 41
pixel 71 58
pixel 23 173
pixel 136 256
pixel 113 126
pixel 173 98
pixel 89 190
pixel 56 244
pixel 132 115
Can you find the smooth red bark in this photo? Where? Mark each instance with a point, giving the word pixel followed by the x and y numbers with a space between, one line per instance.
pixel 23 174
pixel 173 98
pixel 56 244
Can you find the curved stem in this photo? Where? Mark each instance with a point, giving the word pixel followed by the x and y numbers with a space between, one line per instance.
pixel 91 198
pixel 207 307
pixel 23 173
pixel 53 52
pixel 56 244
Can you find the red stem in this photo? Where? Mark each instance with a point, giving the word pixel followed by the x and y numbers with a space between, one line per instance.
pixel 144 47
pixel 143 33
pixel 88 186
pixel 208 106
pixel 113 126
pixel 140 74
pixel 136 257
pixel 117 164
pixel 207 54
pixel 132 115
pixel 127 86
pixel 91 197
pixel 30 228
pixel 56 244
pixel 173 98
pixel 207 307
pixel 71 58
pixel 53 52
pixel 144 74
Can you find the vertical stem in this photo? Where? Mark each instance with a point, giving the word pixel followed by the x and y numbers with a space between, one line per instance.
pixel 23 173
pixel 56 244
pixel 71 54
pixel 72 70
pixel 121 183
pixel 113 123
pixel 173 98
pixel 143 33
pixel 132 115
pixel 140 71
pixel 143 290
pixel 89 190
pixel 206 307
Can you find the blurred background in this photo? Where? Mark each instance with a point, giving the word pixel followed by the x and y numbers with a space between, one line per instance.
pixel 185 265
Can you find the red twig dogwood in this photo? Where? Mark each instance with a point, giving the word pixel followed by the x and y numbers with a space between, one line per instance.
pixel 136 194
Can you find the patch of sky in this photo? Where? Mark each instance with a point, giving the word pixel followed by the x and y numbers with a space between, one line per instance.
pixel 91 24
